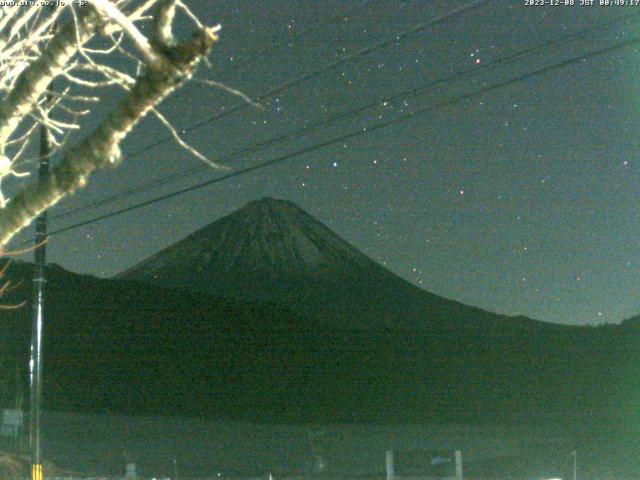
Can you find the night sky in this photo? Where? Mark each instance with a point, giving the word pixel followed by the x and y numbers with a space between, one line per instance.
pixel 522 200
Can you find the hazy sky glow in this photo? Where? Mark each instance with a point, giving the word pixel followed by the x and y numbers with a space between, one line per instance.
pixel 523 200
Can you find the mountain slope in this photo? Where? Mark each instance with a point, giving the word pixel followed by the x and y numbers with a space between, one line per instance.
pixel 272 250
pixel 127 347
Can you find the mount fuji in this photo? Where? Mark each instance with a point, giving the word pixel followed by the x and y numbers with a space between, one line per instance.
pixel 273 251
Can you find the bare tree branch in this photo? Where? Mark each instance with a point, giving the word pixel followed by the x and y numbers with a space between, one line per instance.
pixel 102 148
pixel 32 55
pixel 35 79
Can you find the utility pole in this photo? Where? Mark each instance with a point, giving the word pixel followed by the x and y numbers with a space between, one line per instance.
pixel 574 454
pixel 39 280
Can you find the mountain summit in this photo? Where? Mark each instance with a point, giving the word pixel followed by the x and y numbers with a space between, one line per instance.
pixel 270 239
pixel 272 250
pixel 269 236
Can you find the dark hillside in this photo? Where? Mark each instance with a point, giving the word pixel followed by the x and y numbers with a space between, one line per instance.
pixel 127 347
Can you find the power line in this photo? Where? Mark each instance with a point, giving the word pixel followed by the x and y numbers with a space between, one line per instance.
pixel 342 138
pixel 319 71
pixel 309 128
pixel 274 46
pixel 296 33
